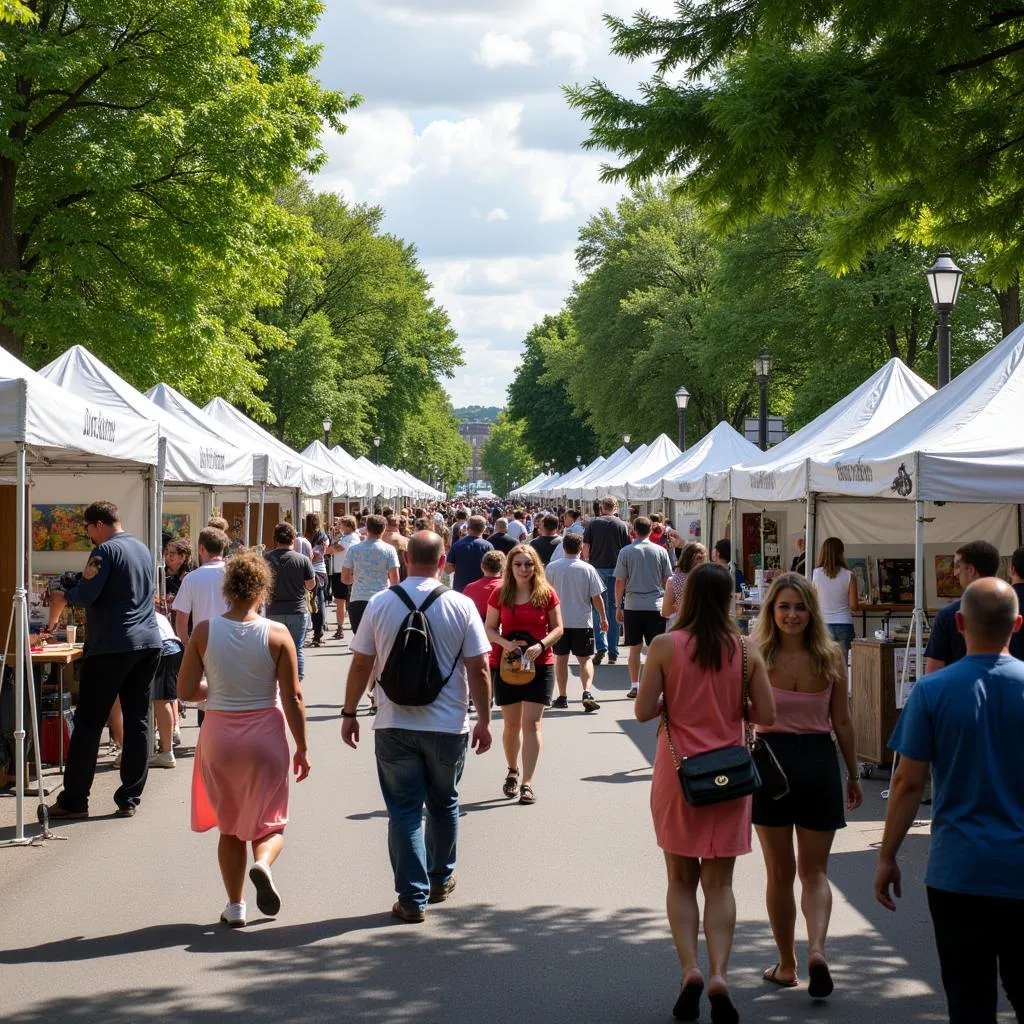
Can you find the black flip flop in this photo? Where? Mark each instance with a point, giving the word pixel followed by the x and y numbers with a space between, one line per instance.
pixel 821 985
pixel 722 1010
pixel 772 975
pixel 688 1004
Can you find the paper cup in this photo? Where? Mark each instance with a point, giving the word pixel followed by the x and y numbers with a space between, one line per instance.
pixel 72 634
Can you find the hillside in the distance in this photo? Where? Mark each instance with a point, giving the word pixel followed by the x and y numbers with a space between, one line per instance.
pixel 477 413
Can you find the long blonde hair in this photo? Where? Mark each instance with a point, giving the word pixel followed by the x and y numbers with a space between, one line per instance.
pixel 826 656
pixel 541 596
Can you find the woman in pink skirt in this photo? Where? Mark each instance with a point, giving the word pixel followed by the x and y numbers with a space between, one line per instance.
pixel 240 773
pixel 695 671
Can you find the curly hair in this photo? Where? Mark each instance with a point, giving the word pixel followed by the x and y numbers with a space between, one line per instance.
pixel 247 576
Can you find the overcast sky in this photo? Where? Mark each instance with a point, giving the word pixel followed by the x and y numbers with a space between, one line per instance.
pixel 465 139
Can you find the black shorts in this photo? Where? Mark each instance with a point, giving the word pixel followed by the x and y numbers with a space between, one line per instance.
pixel 165 682
pixel 816 798
pixel 355 613
pixel 641 627
pixel 575 640
pixel 536 692
pixel 340 591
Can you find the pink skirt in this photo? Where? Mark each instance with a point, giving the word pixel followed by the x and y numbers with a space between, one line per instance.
pixel 240 774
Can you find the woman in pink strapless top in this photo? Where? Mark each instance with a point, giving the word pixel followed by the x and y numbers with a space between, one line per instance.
pixel 808 677
pixel 695 672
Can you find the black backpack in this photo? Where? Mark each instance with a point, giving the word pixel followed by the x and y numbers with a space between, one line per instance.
pixel 411 674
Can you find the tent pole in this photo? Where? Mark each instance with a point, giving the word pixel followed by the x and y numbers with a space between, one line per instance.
pixel 19 610
pixel 919 612
pixel 810 529
pixel 259 518
pixel 248 506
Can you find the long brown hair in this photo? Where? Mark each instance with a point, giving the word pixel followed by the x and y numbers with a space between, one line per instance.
pixel 541 596
pixel 832 557
pixel 704 612
pixel 826 656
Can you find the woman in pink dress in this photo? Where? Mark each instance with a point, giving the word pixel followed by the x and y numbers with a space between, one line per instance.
pixel 695 671
pixel 236 662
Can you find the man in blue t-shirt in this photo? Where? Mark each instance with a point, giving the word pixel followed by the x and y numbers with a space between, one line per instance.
pixel 966 721
pixel 466 554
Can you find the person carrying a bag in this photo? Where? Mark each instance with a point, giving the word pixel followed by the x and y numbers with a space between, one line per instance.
pixel 807 669
pixel 695 674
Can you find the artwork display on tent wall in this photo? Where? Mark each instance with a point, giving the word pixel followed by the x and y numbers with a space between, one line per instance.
pixel 946 584
pixel 59 528
pixel 896 580
pixel 41 586
pixel 752 547
pixel 177 526
pixel 862 574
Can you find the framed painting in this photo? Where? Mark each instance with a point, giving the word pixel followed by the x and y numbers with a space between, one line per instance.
pixel 59 528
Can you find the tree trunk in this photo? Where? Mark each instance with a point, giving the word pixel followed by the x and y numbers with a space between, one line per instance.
pixel 1009 306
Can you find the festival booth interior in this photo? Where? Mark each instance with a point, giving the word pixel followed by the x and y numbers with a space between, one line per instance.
pixel 54 447
pixel 949 471
pixel 195 461
pixel 656 457
pixel 276 479
pixel 681 486
pixel 765 498
pixel 313 482
pixel 578 492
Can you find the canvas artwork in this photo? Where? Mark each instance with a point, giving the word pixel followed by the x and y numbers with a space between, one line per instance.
pixel 693 529
pixel 946 583
pixel 59 528
pixel 861 573
pixel 896 580
pixel 178 525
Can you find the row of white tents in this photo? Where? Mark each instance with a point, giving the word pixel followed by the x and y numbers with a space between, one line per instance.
pixel 75 432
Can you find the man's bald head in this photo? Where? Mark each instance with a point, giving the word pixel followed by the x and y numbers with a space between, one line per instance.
pixel 988 614
pixel 425 550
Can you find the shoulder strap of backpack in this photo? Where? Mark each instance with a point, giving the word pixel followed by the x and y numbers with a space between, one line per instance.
pixel 399 591
pixel 433 596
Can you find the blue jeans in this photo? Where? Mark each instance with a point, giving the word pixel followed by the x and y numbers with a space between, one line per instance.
pixel 843 634
pixel 416 769
pixel 609 643
pixel 297 627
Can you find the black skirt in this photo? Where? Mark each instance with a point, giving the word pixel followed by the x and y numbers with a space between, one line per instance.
pixel 816 798
pixel 537 691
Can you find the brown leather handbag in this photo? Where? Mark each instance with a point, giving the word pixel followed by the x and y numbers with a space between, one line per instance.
pixel 511 670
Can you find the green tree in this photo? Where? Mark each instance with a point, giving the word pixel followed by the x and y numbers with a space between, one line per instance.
pixel 15 12
pixel 505 457
pixel 894 120
pixel 143 144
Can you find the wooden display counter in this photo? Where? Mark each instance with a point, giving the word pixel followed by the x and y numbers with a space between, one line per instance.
pixel 873 698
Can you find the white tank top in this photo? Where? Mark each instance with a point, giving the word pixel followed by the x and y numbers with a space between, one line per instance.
pixel 834 595
pixel 240 673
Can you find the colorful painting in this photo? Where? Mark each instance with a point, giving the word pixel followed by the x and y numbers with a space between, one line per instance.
pixel 862 574
pixel 946 583
pixel 59 528
pixel 896 580
pixel 178 525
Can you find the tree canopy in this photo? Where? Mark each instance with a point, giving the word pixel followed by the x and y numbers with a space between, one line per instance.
pixel 504 457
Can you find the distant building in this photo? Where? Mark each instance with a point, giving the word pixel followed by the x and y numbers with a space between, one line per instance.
pixel 476 434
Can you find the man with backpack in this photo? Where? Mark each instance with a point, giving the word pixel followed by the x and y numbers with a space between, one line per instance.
pixel 427 650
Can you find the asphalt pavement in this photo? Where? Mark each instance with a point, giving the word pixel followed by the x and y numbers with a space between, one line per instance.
pixel 558 914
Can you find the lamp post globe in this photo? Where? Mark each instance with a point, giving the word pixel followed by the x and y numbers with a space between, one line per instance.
pixel 762 371
pixel 682 401
pixel 944 280
pixel 626 438
pixel 376 445
pixel 327 424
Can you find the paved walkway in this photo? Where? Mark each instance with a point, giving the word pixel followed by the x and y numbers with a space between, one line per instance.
pixel 558 915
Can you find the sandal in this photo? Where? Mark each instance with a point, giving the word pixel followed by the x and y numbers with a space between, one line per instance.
pixel 511 787
pixel 526 794
pixel 688 1004
pixel 772 975
pixel 821 985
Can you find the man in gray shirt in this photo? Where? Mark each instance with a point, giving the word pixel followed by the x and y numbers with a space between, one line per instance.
pixel 641 573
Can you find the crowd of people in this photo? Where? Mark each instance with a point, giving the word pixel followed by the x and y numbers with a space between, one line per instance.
pixel 455 610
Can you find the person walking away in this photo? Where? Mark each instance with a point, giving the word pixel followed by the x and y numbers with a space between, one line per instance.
pixel 642 571
pixel 165 695
pixel 501 540
pixel 368 568
pixel 966 722
pixel 466 554
pixel 721 554
pixel 579 590
pixel 1017 582
pixel 524 614
pixel 603 538
pixel 836 588
pixel 421 750
pixel 807 672
pixel 690 556
pixel 394 536
pixel 246 669
pixel 319 542
pixel 293 577
pixel 972 561
pixel 547 539
pixel 479 592
pixel 201 595
pixel 122 653
pixel 695 673
pixel 344 539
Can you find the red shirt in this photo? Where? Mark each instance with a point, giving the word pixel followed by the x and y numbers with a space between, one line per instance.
pixel 526 618
pixel 479 592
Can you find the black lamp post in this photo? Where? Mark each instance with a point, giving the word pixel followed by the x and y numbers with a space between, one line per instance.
pixel 944 279
pixel 327 424
pixel 682 401
pixel 762 371
pixel 376 445
pixel 626 438
pixel 579 459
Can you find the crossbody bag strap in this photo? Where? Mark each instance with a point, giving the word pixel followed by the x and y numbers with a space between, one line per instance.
pixel 747 731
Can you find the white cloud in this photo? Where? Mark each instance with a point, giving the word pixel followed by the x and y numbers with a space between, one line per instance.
pixel 498 49
pixel 497 214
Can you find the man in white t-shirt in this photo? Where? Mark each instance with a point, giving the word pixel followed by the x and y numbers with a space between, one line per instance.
pixel 422 750
pixel 202 590
pixel 517 527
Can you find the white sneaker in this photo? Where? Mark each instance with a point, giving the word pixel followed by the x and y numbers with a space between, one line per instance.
pixel 176 738
pixel 234 915
pixel 117 760
pixel 633 690
pixel 268 900
pixel 165 759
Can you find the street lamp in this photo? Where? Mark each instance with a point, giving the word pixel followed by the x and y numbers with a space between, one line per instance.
pixel 327 424
pixel 376 445
pixel 944 279
pixel 626 438
pixel 682 401
pixel 762 371
pixel 579 459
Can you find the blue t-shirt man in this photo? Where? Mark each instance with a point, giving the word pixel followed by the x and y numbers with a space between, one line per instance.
pixel 466 555
pixel 968 720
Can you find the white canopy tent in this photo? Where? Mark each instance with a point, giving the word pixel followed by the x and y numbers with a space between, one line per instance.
pixel 54 432
pixel 528 486
pixel 611 477
pixel 657 456
pixel 555 487
pixel 595 471
pixel 422 490
pixel 538 485
pixel 357 483
pixel 384 486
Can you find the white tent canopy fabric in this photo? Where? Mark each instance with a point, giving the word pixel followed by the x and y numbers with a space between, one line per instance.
pixel 781 474
pixel 597 470
pixel 540 485
pixel 384 486
pixel 657 456
pixel 313 480
pixel 684 479
pixel 193 456
pixel 554 488
pixel 357 483
pixel 964 443
pixel 527 488
pixel 611 476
